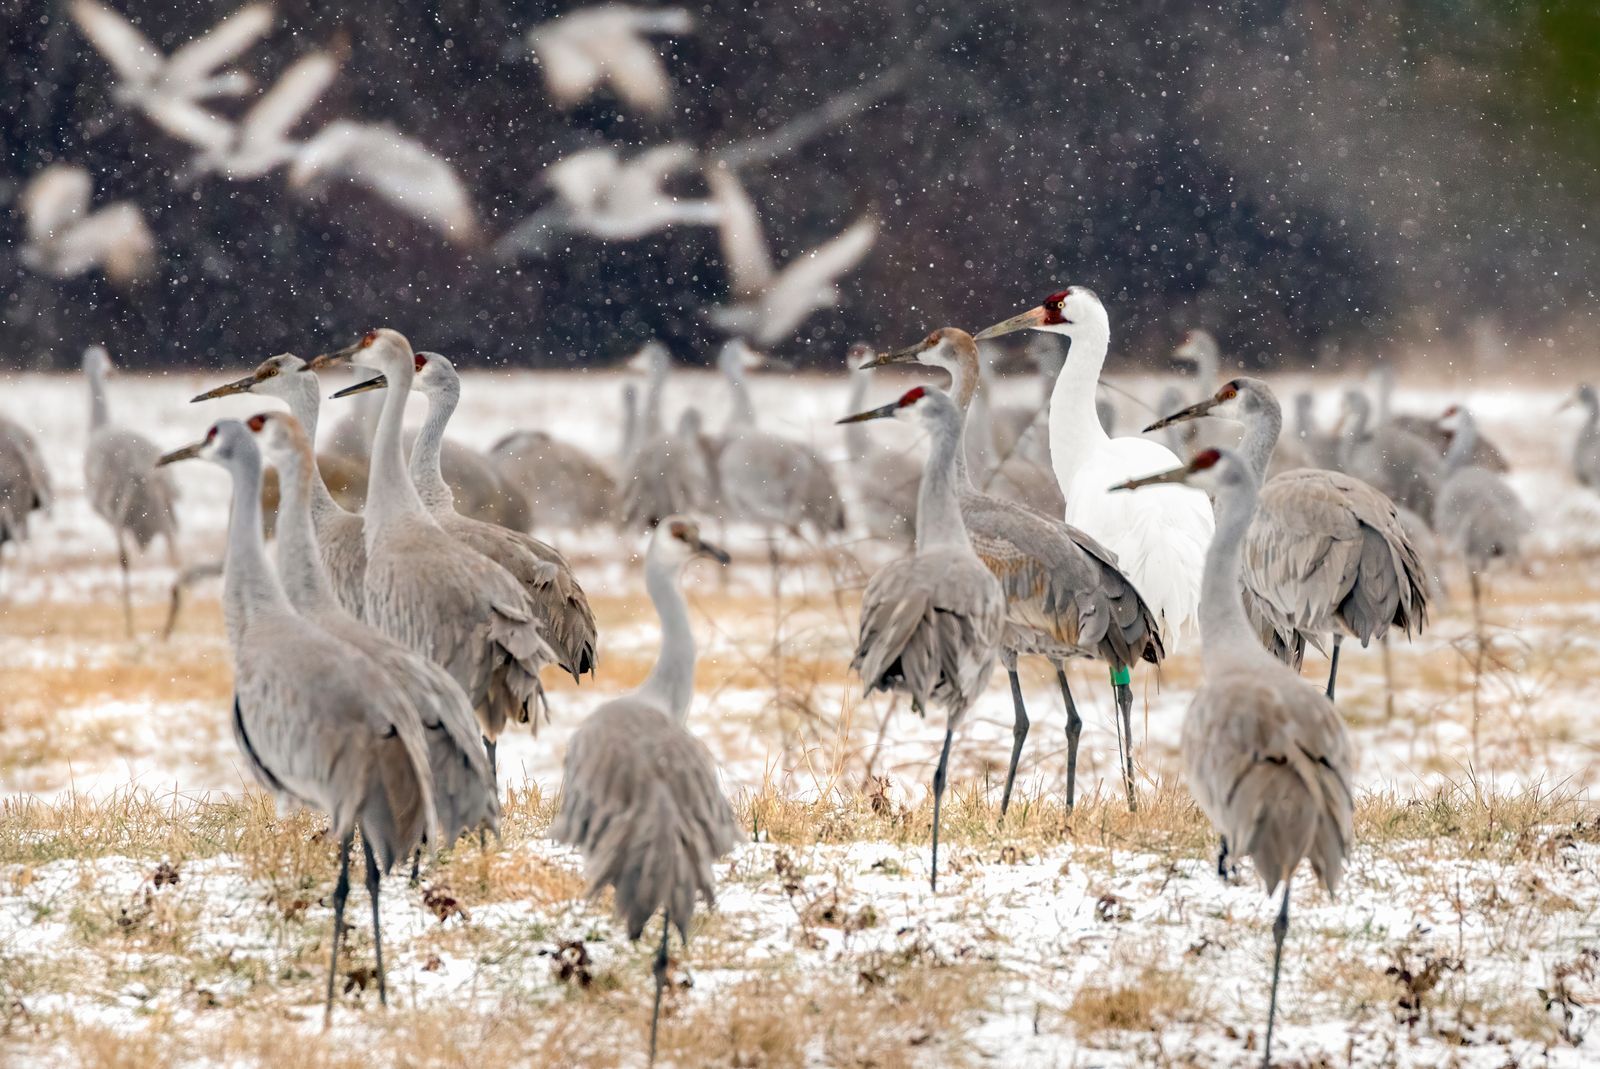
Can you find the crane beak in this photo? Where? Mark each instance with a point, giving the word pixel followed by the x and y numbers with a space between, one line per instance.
pixel 378 383
pixel 188 452
pixel 1033 317
pixel 702 548
pixel 243 385
pixel 1568 403
pixel 1194 411
pixel 1176 475
pixel 338 356
pixel 908 355
pixel 883 412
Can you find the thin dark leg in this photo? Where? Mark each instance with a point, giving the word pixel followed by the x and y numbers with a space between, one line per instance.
pixel 377 926
pixel 938 796
pixel 416 866
pixel 1333 665
pixel 1074 732
pixel 1222 859
pixel 1019 733
pixel 127 583
pixel 1124 693
pixel 341 891
pixel 1280 928
pixel 661 983
pixel 489 746
pixel 1388 680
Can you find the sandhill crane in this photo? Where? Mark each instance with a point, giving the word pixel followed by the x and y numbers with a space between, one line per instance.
pixel 563 485
pixel 669 475
pixel 341 542
pixel 761 479
pixel 1159 538
pixel 606 45
pixel 885 478
pixel 121 482
pixel 318 723
pixel 449 603
pixel 1398 464
pixel 1586 451
pixel 1476 513
pixel 546 578
pixel 1326 554
pixel 1484 455
pixel 259 142
pixel 1065 596
pixel 639 793
pixel 65 239
pixel 463 787
pixel 146 78
pixel 25 485
pixel 479 490
pixel 606 198
pixel 932 623
pixel 1267 757
pixel 771 304
pixel 1321 448
pixel 394 167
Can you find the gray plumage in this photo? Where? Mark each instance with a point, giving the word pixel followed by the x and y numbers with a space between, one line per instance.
pixel 1485 454
pixel 341 540
pixel 121 481
pixel 932 623
pixel 1267 757
pixel 463 786
pixel 1393 461
pixel 665 474
pixel 1586 452
pixel 424 588
pixel 885 478
pixel 766 480
pixel 1321 448
pixel 558 601
pixel 1477 513
pixel 316 722
pixel 640 796
pixel 564 486
pixel 25 485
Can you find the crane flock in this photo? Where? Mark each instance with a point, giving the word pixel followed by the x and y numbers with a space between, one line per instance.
pixel 397 637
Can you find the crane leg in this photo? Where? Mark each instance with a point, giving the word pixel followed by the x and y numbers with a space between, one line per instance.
pixel 1222 859
pixel 938 797
pixel 341 891
pixel 1122 688
pixel 1333 665
pixel 660 972
pixel 489 748
pixel 1019 733
pixel 377 926
pixel 127 587
pixel 1388 680
pixel 1074 732
pixel 1280 929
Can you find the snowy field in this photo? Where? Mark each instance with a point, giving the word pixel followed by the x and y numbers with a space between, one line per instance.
pixel 153 913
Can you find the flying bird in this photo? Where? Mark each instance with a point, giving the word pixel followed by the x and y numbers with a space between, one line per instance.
pixel 607 45
pixel 393 167
pixel 148 78
pixel 65 239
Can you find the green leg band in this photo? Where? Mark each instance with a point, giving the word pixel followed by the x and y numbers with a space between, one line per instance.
pixel 1121 677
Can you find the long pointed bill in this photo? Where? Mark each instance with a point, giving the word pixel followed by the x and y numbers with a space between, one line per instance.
pixel 1176 475
pixel 717 553
pixel 378 383
pixel 243 385
pixel 885 412
pixel 338 356
pixel 1568 403
pixel 908 355
pixel 188 452
pixel 1033 317
pixel 1183 415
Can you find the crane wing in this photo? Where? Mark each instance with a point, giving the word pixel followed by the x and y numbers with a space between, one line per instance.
pixel 53 198
pixel 291 96
pixel 188 121
pixel 744 246
pixel 227 40
pixel 128 51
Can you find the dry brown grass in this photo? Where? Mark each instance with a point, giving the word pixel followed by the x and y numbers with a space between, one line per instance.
pixel 1154 998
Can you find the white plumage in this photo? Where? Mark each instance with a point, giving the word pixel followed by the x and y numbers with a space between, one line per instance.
pixel 66 239
pixel 606 45
pixel 391 165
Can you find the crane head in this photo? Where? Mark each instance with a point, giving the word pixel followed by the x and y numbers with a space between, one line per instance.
pixel 97 361
pixel 435 374
pixel 1059 313
pixel 947 348
pixel 375 350
pixel 1451 420
pixel 1198 345
pixel 226 439
pixel 678 540
pixel 280 435
pixel 1207 470
pixel 261 380
pixel 1233 400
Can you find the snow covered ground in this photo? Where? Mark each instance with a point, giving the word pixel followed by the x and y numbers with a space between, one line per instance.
pixel 1102 939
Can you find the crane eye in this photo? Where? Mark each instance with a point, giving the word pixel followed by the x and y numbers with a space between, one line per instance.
pixel 368 338
pixel 269 371
pixel 257 423
pixel 211 435
pixel 421 362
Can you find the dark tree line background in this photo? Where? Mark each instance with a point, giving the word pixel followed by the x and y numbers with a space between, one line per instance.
pixel 1293 174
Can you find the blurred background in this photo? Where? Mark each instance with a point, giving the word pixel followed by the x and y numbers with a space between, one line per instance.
pixel 1317 182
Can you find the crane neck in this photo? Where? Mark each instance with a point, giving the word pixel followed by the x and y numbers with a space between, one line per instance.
pixel 976 445
pixel 856 441
pixel 630 423
pixel 427 474
pixel 306 407
pixel 1305 426
pixel 1075 430
pixel 671 682
pixel 1261 430
pixel 300 569
pixel 390 493
pixel 1225 632
pixel 248 588
pixel 939 523
pixel 99 406
pixel 651 425
pixel 743 413
pixel 1462 445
